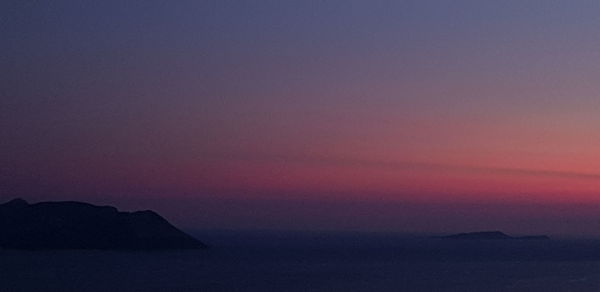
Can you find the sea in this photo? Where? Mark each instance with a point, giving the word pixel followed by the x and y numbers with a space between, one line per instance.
pixel 314 261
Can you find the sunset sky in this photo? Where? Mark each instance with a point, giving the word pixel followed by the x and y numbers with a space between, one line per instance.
pixel 407 116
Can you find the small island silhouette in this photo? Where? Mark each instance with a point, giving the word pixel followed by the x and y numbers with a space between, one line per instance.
pixel 496 235
pixel 78 225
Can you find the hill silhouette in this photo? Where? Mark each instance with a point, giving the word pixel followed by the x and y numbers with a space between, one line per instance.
pixel 77 225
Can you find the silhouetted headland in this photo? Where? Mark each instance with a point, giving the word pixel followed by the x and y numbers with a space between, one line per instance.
pixel 496 235
pixel 77 225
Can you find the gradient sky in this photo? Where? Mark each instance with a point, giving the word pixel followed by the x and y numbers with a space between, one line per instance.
pixel 436 116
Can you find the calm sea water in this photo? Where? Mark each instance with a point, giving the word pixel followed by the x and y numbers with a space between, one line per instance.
pixel 272 261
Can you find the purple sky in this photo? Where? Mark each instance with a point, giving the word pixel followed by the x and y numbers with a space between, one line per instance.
pixel 349 115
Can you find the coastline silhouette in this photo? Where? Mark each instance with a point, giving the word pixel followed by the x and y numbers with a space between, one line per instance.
pixel 78 225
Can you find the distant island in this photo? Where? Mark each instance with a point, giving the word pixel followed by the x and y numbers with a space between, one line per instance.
pixel 77 225
pixel 496 235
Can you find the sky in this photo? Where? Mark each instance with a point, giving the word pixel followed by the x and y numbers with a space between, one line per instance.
pixel 404 116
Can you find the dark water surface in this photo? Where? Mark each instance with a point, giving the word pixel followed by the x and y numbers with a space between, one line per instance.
pixel 268 261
